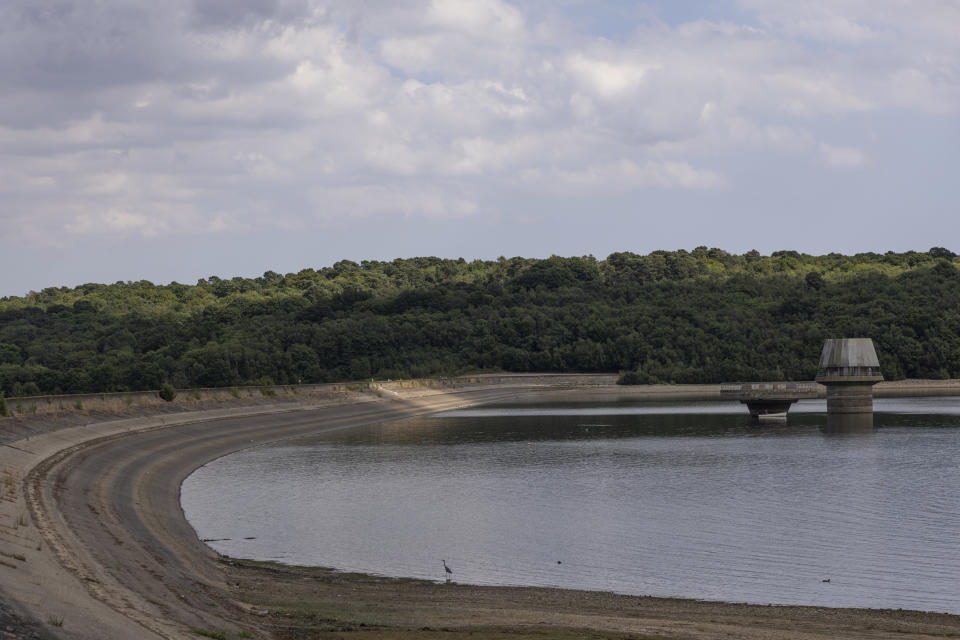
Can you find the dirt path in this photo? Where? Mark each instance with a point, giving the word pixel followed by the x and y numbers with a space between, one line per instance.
pixel 98 548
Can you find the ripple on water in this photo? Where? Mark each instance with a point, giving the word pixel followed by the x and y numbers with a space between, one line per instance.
pixel 693 503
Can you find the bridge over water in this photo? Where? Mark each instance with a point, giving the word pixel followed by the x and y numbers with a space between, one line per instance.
pixel 769 400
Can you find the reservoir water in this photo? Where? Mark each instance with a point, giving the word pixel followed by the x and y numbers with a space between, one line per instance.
pixel 687 500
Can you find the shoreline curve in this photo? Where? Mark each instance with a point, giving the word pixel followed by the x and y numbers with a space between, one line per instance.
pixel 107 549
pixel 108 552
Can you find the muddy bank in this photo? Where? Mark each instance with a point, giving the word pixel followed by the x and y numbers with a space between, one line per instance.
pixel 301 603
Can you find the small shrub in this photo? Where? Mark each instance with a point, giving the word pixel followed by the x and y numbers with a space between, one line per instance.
pixel 56 621
pixel 235 392
pixel 3 406
pixel 207 633
pixel 267 391
pixel 167 392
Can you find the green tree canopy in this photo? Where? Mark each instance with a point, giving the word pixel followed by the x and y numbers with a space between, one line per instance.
pixel 672 316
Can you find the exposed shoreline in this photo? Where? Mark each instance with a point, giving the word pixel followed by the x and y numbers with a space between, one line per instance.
pixel 107 549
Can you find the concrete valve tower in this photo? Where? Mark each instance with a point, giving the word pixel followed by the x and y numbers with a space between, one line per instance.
pixel 848 369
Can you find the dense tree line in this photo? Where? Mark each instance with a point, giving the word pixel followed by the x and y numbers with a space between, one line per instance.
pixel 699 316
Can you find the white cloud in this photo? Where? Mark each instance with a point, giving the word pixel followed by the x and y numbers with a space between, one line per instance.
pixel 842 157
pixel 809 93
pixel 891 53
pixel 623 176
pixel 410 200
pixel 485 18
pixel 479 156
pixel 200 120
pixel 153 220
pixel 413 55
pixel 114 221
pixel 817 20
pixel 608 79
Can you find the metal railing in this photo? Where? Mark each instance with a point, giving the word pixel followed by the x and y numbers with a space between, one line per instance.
pixel 769 387
pixel 849 372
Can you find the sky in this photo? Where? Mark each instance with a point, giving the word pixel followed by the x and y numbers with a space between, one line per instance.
pixel 171 141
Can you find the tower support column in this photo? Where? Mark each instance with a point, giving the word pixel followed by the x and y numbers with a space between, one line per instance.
pixel 849 397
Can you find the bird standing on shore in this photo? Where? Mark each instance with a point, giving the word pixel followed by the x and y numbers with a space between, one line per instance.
pixel 447 569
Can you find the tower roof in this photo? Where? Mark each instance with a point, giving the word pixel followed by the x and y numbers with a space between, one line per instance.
pixel 848 352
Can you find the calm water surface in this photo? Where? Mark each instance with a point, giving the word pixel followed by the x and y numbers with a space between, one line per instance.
pixel 683 500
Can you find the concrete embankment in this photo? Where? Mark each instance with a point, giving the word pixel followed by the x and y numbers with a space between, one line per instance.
pixel 190 399
pixel 102 406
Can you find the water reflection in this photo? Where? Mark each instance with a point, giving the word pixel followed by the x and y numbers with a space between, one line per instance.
pixel 849 424
pixel 574 422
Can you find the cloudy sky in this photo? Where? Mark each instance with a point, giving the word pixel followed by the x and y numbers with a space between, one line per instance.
pixel 180 139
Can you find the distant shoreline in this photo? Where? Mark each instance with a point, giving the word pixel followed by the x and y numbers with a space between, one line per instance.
pixel 34 415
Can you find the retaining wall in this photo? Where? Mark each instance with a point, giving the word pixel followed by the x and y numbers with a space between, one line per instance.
pixel 113 402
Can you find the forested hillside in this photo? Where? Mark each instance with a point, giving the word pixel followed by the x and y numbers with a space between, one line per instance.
pixel 700 316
